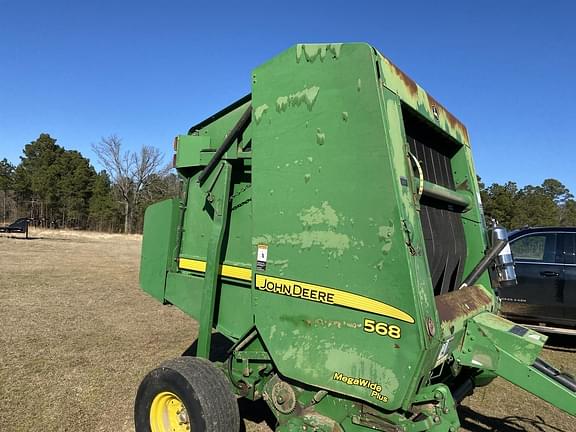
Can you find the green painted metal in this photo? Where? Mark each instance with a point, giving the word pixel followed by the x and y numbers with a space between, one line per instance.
pixel 449 196
pixel 160 224
pixel 337 232
pixel 494 344
pixel 305 249
pixel 217 189
pixel 189 156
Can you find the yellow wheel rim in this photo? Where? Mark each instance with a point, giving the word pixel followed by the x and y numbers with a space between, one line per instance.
pixel 168 414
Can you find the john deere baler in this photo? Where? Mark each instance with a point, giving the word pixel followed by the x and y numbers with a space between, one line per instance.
pixel 329 240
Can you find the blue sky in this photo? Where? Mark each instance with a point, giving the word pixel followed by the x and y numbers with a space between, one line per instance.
pixel 147 70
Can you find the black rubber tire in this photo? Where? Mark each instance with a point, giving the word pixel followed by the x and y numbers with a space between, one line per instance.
pixel 203 388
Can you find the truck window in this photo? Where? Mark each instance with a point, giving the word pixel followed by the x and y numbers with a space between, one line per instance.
pixel 540 247
pixel 569 248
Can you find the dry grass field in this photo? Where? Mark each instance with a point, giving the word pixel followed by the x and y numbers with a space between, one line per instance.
pixel 77 335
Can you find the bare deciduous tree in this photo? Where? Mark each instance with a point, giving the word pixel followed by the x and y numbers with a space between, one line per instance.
pixel 129 171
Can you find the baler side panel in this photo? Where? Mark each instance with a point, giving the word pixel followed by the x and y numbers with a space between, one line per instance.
pixel 448 163
pixel 414 96
pixel 415 253
pixel 160 221
pixel 473 220
pixel 326 207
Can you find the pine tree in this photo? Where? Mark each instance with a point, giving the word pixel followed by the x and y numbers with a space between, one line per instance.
pixel 550 204
pixel 37 175
pixel 7 172
pixel 535 207
pixel 104 214
pixel 74 188
pixel 499 202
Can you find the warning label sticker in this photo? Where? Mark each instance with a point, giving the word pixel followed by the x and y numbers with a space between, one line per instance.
pixel 262 257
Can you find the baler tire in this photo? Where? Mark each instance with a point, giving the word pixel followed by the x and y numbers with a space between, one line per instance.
pixel 191 383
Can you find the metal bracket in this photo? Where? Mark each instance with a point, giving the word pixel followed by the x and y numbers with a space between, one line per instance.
pixel 218 189
pixel 495 344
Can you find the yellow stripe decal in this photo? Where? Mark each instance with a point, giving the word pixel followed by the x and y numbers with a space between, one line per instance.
pixel 306 291
pixel 327 295
pixel 230 271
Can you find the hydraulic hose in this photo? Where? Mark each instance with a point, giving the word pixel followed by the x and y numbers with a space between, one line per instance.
pixel 555 374
pixel 463 390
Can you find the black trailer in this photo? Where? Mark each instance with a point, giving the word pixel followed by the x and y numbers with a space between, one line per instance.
pixel 20 226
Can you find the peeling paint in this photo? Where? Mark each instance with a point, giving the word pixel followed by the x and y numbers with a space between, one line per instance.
pixel 307 96
pixel 281 264
pixel 313 51
pixel 298 355
pixel 259 112
pixel 320 137
pixel 385 234
pixel 317 216
pixel 333 323
pixel 389 383
pixel 337 243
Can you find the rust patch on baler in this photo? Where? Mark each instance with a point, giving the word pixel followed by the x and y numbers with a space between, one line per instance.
pixel 408 82
pixel 452 121
pixel 462 303
pixel 436 111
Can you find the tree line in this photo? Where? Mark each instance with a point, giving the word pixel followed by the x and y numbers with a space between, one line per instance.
pixel 59 188
pixel 549 204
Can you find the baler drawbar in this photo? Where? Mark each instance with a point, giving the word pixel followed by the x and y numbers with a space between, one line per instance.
pixel 330 231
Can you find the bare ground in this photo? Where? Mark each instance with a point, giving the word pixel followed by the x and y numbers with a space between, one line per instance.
pixel 77 336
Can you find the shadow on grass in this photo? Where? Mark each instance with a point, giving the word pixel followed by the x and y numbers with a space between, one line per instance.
pixel 257 412
pixel 475 422
pixel 219 347
pixel 15 237
pixel 558 342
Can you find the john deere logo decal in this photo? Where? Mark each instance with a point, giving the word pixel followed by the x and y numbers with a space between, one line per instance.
pixel 327 295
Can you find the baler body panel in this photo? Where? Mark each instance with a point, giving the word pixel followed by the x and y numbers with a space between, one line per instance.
pixel 326 206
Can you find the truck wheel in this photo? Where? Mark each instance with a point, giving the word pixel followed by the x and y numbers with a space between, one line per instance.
pixel 187 394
